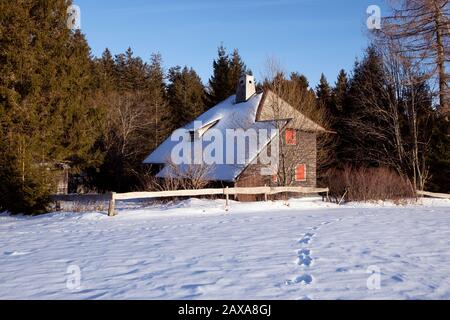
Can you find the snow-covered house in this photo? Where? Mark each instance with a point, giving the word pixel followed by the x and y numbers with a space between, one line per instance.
pixel 246 115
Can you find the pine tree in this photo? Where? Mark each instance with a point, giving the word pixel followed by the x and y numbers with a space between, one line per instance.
pixel 366 136
pixel 226 73
pixel 339 103
pixel 105 72
pixel 323 92
pixel 340 93
pixel 45 76
pixel 186 95
pixel 219 85
pixel 131 72
pixel 159 106
pixel 237 68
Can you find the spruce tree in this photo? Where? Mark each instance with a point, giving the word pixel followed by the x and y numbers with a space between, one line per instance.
pixel 157 97
pixel 46 117
pixel 219 83
pixel 339 103
pixel 365 136
pixel 237 68
pixel 105 72
pixel 186 95
pixel 323 92
pixel 340 92
pixel 226 73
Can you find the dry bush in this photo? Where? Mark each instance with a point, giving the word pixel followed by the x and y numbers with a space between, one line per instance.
pixel 367 184
pixel 194 177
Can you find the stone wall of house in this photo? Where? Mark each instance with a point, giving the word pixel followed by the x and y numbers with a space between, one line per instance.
pixel 304 152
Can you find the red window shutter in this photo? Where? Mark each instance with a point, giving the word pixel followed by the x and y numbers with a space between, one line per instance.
pixel 291 136
pixel 300 172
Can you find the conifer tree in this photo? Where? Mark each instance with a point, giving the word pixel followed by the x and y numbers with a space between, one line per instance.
pixel 219 82
pixel 340 92
pixel 237 68
pixel 363 136
pixel 46 117
pixel 105 72
pixel 226 73
pixel 186 95
pixel 159 106
pixel 323 92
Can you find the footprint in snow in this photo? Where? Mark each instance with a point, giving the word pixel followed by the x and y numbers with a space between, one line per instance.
pixel 306 238
pixel 304 258
pixel 305 279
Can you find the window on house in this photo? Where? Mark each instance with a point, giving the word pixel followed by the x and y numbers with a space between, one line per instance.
pixel 300 172
pixel 291 136
pixel 275 178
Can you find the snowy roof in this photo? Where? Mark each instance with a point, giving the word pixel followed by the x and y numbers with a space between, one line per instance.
pixel 224 116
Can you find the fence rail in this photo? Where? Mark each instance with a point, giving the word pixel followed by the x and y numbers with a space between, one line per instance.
pixel 113 197
pixel 434 195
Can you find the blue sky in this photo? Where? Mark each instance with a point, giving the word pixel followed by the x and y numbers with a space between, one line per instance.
pixel 308 36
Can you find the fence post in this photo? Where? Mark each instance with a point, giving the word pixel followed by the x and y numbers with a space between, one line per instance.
pixel 227 197
pixel 112 205
pixel 265 194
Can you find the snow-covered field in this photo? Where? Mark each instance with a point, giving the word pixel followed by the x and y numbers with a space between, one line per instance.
pixel 195 250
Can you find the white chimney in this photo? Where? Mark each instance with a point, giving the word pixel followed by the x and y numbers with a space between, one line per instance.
pixel 246 88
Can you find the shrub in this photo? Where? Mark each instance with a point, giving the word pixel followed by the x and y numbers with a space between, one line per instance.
pixel 27 194
pixel 366 184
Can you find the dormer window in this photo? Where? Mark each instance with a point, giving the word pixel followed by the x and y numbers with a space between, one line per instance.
pixel 198 133
pixel 192 135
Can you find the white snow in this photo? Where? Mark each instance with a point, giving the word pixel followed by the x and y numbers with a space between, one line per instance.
pixel 193 249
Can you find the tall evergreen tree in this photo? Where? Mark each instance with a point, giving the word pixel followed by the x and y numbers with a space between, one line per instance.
pixel 340 92
pixel 237 68
pixel 105 72
pixel 323 92
pixel 219 87
pixel 45 74
pixel 186 95
pixel 365 136
pixel 226 73
pixel 132 72
pixel 159 106
pixel 339 103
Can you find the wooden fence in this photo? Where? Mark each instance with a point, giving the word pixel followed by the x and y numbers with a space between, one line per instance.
pixel 113 197
pixel 433 195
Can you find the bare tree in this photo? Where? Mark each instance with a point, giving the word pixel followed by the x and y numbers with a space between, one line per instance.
pixel 304 115
pixel 127 120
pixel 423 28
pixel 395 112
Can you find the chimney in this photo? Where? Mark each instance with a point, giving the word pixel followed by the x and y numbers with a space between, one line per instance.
pixel 246 88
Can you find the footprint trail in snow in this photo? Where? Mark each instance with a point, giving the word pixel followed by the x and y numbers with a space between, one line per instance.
pixel 304 258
